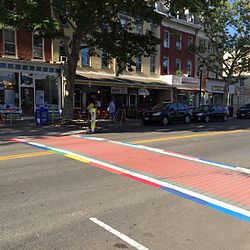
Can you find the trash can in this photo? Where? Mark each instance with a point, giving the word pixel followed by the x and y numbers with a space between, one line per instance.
pixel 42 116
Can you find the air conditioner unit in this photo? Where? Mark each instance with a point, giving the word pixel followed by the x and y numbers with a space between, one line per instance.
pixel 63 59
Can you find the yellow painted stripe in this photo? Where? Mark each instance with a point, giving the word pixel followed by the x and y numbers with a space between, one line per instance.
pixel 78 158
pixel 18 156
pixel 189 136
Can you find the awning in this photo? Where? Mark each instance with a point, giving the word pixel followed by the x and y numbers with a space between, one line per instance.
pixel 121 81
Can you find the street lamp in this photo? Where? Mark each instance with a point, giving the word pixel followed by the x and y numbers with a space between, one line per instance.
pixel 200 70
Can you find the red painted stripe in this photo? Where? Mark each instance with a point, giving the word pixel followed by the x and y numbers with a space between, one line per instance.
pixel 142 180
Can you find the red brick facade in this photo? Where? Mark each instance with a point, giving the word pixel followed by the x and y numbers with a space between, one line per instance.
pixel 24 45
pixel 173 53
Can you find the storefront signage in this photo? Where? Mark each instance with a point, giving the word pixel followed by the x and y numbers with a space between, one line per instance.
pixel 218 88
pixel 119 91
pixel 39 97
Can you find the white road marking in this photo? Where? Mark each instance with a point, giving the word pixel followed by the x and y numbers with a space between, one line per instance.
pixel 118 234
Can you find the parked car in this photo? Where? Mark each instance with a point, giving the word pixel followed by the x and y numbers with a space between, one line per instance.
pixel 209 113
pixel 166 112
pixel 243 111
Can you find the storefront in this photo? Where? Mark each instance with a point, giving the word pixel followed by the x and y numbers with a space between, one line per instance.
pixel 215 92
pixel 25 86
pixel 130 94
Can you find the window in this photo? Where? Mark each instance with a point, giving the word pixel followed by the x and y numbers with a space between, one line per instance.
pixel 190 41
pixel 189 68
pixel 209 48
pixel 202 42
pixel 152 63
pixel 153 27
pixel 37 47
pixel 123 21
pixel 85 57
pixel 9 42
pixel 178 64
pixel 178 42
pixel 166 39
pixel 138 63
pixel 62 48
pixel 139 27
pixel 165 66
pixel 173 107
pixel 104 60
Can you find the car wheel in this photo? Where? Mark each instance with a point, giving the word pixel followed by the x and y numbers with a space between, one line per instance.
pixel 165 121
pixel 187 119
pixel 225 118
pixel 206 119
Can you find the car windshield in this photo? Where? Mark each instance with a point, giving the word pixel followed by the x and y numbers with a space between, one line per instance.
pixel 203 108
pixel 161 106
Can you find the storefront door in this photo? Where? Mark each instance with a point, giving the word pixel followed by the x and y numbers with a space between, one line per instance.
pixel 27 100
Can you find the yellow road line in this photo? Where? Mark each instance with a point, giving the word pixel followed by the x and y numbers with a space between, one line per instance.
pixel 188 136
pixel 10 157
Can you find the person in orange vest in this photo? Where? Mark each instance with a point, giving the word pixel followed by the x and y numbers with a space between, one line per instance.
pixel 92 112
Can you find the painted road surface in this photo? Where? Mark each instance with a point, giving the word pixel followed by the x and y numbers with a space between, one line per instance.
pixel 223 189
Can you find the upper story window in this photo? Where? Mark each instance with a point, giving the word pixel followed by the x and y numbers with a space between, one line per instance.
pixel 38 47
pixel 139 27
pixel 178 42
pixel 202 42
pixel 152 63
pixel 9 37
pixel 190 41
pixel 104 60
pixel 209 48
pixel 166 39
pixel 153 27
pixel 165 66
pixel 62 48
pixel 178 64
pixel 123 20
pixel 138 64
pixel 189 68
pixel 85 57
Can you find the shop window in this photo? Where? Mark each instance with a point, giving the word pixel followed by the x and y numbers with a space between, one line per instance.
pixel 165 66
pixel 9 37
pixel 152 63
pixel 138 64
pixel 178 42
pixel 189 68
pixel 38 46
pixel 85 57
pixel 47 91
pixel 166 39
pixel 9 91
pixel 132 100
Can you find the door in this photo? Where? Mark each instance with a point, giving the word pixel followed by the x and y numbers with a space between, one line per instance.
pixel 27 100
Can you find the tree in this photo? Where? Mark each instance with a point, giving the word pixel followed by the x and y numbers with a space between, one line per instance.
pixel 96 24
pixel 228 29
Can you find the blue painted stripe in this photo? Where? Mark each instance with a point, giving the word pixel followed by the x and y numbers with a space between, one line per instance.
pixel 183 195
pixel 205 203
pixel 229 212
pixel 219 163
pixel 36 146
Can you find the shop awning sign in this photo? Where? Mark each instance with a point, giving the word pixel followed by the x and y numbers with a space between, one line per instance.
pixel 119 91
pixel 143 92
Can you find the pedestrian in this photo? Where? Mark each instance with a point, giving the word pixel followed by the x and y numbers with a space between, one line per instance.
pixel 111 110
pixel 92 111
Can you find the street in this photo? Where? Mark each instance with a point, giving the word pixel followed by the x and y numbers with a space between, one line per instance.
pixel 147 187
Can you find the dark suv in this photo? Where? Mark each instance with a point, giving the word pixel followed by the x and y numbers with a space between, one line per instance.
pixel 166 112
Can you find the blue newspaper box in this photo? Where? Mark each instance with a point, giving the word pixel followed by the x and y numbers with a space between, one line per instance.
pixel 42 116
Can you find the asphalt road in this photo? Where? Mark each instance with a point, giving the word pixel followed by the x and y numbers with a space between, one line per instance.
pixel 47 199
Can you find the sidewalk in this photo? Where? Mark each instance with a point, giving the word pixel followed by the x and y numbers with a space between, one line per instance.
pixel 27 127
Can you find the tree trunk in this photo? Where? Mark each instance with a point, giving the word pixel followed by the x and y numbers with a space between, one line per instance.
pixel 73 58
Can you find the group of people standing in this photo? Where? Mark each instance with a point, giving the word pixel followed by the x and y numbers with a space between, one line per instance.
pixel 92 109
